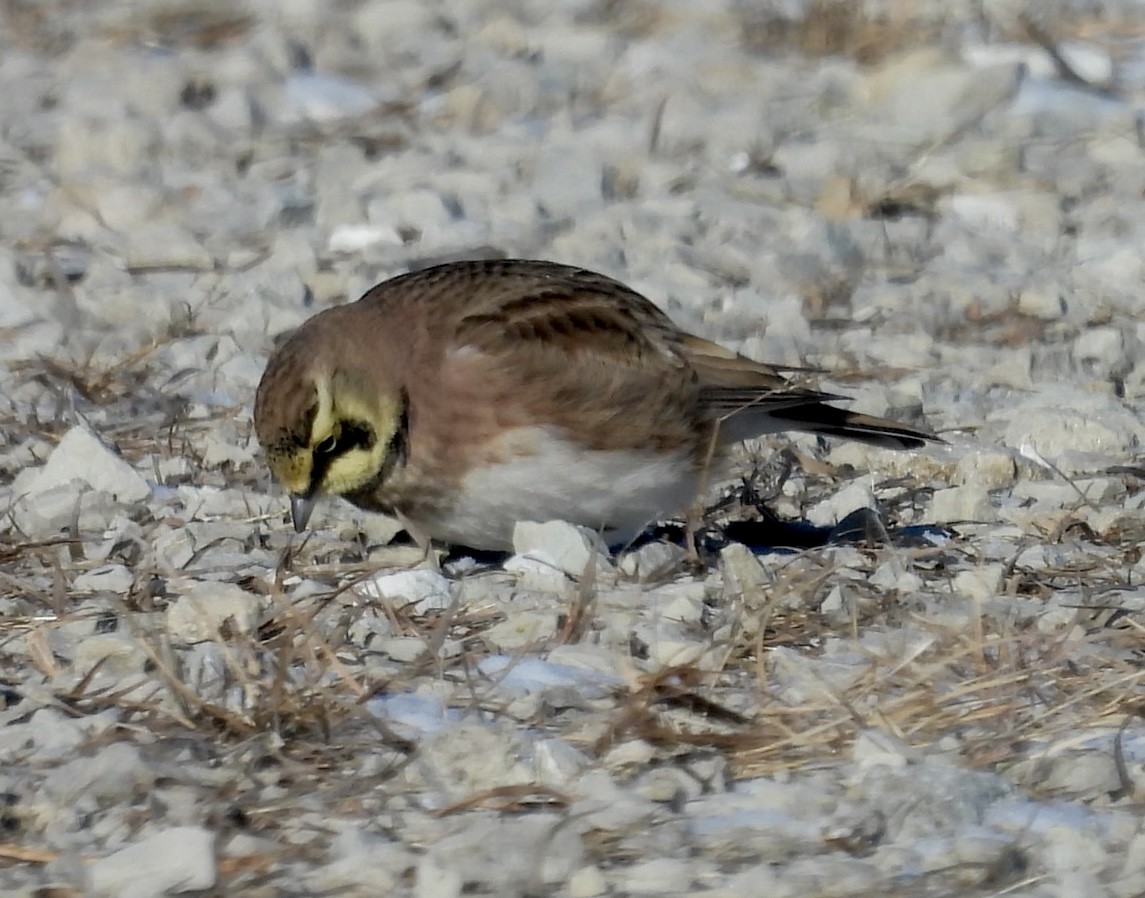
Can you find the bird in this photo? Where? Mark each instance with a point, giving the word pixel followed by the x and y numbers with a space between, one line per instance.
pixel 469 396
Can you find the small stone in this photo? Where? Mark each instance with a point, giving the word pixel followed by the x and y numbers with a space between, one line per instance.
pixel 56 510
pixel 651 561
pixel 117 654
pixel 435 878
pixel 557 762
pixel 174 548
pixel 47 735
pixel 890 577
pixel 81 455
pixel 568 183
pixel 522 629
pixel 404 649
pixel 743 574
pixel 320 98
pixel 115 578
pixel 113 775
pixel 124 205
pixel 856 494
pixel 353 238
pixel 537 574
pixel 571 549
pixel 176 860
pixel 587 882
pixel 166 245
pixel 1042 301
pixel 426 590
pixel 115 145
pixel 874 748
pixel 683 602
pixel 988 469
pixel 1102 345
pixel 207 607
pixel 962 503
pixel 980 583
pixel 659 876
pixel 669 644
pixel 364 864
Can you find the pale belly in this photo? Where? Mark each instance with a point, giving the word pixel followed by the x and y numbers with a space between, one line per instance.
pixel 616 493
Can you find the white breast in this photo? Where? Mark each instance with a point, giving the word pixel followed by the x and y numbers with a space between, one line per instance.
pixel 616 493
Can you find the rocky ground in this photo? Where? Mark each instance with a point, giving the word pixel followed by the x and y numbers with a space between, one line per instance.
pixel 940 204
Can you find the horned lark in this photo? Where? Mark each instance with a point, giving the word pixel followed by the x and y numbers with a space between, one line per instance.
pixel 467 397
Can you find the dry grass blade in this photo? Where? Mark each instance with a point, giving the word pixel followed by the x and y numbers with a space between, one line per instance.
pixel 510 799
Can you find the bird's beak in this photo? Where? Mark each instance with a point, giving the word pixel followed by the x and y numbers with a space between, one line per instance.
pixel 300 510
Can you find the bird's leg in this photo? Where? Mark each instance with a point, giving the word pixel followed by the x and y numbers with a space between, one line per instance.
pixel 694 517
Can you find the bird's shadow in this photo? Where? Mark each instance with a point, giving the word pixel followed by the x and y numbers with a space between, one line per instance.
pixel 763 535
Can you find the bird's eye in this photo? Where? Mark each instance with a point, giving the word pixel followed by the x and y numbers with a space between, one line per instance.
pixel 327 446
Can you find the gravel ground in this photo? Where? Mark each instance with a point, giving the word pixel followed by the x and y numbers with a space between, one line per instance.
pixel 942 208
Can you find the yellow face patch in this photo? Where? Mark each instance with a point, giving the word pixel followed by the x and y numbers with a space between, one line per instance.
pixel 351 433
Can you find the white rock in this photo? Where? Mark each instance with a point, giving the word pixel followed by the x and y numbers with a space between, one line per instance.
pixel 436 877
pixel 174 548
pixel 48 734
pixel 557 763
pixel 467 758
pixel 1054 494
pixel 962 503
pixel 537 574
pixel 651 561
pixel 15 312
pixel 113 775
pixel 1073 423
pixel 166 244
pixel 172 861
pixel 1105 345
pixel 587 882
pixel 743 574
pixel 365 864
pixel 571 549
pixel 117 654
pixel 420 209
pixel 980 583
pixel 658 876
pixel 985 212
pixel 115 578
pixel 682 602
pixel 202 611
pixel 875 748
pixel 926 96
pixel 353 238
pixel 670 644
pixel 1093 63
pixel 891 577
pixel 855 495
pixel 566 183
pixel 403 648
pixel 320 98
pixel 123 205
pixel 523 628
pixel 1042 301
pixel 394 27
pixel 1135 854
pixel 90 143
pixel 426 590
pixel 986 469
pixel 81 455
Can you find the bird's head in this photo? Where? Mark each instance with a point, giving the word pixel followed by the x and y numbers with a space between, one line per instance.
pixel 327 429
